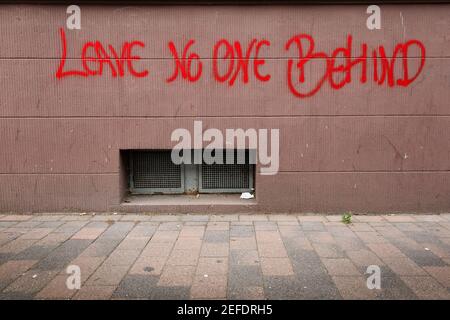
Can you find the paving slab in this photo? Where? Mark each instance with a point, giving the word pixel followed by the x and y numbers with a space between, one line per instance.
pixel 63 254
pixel 244 257
pixel 212 266
pixel 56 289
pixel 148 265
pixel 354 287
pixel 340 267
pixel 209 287
pixel 108 275
pixel 136 286
pixel 425 287
pixel 95 293
pixel 196 256
pixel 31 282
pixel 215 249
pixel 292 288
pixel 12 269
pixel 246 293
pixel 441 274
pixel 276 267
pixel 174 276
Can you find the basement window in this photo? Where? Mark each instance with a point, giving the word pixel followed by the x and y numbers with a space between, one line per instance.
pixel 153 172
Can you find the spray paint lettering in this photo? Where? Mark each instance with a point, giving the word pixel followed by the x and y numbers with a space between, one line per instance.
pixel 305 45
pixel 184 64
pixel 237 62
pixel 231 60
pixel 93 65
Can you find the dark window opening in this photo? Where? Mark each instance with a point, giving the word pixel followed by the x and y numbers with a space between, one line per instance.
pixel 153 172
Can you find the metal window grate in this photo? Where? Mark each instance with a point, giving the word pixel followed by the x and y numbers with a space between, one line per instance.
pixel 229 178
pixel 226 176
pixel 154 171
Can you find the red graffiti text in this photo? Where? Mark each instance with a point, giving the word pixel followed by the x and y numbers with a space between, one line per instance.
pixel 237 62
pixel 93 65
pixel 341 63
pixel 184 64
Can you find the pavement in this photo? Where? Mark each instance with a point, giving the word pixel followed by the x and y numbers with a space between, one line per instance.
pixel 131 256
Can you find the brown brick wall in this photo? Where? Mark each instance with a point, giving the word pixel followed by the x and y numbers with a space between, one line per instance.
pixel 365 147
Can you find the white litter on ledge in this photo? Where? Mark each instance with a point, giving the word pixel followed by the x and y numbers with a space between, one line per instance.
pixel 247 195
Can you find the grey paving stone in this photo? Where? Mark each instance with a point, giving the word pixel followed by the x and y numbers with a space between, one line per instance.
pixel 244 276
pixel 62 255
pixel 429 225
pixel 290 232
pixel 242 223
pixel 241 231
pixel 328 250
pixel 101 247
pixel 318 287
pixel 136 286
pixel 350 244
pixel 216 236
pixel 195 223
pixel 424 258
pixel 12 233
pixel 71 227
pixel 244 257
pixel 7 224
pixel 28 224
pixel 312 226
pixel 8 237
pixel 280 288
pixel 118 230
pixel 170 226
pixel 422 237
pixel 99 224
pixel 47 217
pixel 341 232
pixel 392 287
pixel 246 293
pixel 265 225
pixel 15 296
pixel 312 276
pixel 407 226
pixel 195 218
pixel 33 281
pixel 143 229
pixel 145 287
pixel 295 246
pixel 76 217
pixel 4 257
pixel 26 233
pixel 171 293
pixel 306 263
pixel 49 224
pixel 35 252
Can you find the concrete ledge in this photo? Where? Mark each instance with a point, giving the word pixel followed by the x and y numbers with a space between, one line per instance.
pixel 204 203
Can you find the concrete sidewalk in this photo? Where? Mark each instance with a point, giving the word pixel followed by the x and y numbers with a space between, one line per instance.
pixel 225 257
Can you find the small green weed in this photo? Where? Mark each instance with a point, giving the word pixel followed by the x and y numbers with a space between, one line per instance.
pixel 347 218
